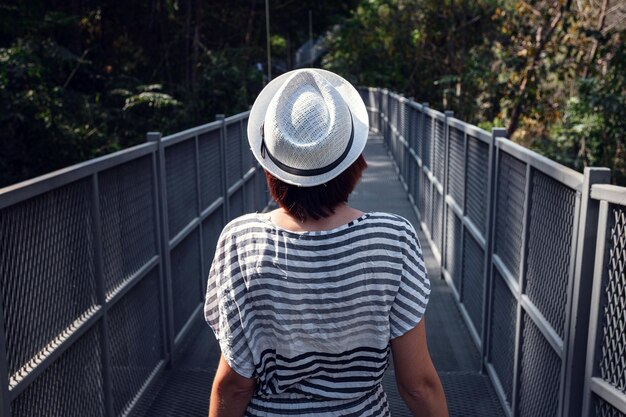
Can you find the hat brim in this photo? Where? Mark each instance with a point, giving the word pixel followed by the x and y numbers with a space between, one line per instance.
pixel 360 121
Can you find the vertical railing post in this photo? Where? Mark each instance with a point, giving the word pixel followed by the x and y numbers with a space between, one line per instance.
pixel 5 395
pixel 414 170
pixel 224 178
pixel 461 280
pixel 203 258
pixel 404 145
pixel 444 209
pixel 157 209
pixel 496 133
pixel 423 128
pixel 164 248
pixel 101 298
pixel 521 280
pixel 431 183
pixel 412 163
pixel 379 104
pixel 242 149
pixel 389 115
pixel 386 106
pixel 405 149
pixel 599 268
pixel 423 179
pixel 386 118
pixel 579 294
pixel 383 116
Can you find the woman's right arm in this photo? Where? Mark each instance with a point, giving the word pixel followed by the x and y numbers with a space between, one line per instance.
pixel 231 392
pixel 416 377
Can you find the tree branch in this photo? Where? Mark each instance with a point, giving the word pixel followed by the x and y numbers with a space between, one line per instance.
pixel 594 46
pixel 80 61
pixel 528 76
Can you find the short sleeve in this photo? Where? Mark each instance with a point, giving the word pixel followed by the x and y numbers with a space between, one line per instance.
pixel 222 312
pixel 411 299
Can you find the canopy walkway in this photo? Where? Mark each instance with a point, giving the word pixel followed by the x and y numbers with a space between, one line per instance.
pixel 103 267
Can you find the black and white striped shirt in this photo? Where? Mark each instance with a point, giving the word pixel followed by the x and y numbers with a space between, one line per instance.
pixel 310 314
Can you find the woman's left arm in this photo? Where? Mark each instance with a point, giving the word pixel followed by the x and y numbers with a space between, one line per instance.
pixel 231 392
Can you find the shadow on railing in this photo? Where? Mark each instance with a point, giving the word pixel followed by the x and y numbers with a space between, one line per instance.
pixel 103 267
pixel 517 238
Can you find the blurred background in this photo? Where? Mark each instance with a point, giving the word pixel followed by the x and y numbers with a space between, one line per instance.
pixel 82 78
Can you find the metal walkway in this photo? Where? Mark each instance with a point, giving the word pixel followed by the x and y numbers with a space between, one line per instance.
pixel 184 388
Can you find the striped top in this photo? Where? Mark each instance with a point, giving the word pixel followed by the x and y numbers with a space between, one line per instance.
pixel 310 314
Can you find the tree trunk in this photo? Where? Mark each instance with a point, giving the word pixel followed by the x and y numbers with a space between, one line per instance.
pixel 196 44
pixel 187 37
pixel 594 47
pixel 529 76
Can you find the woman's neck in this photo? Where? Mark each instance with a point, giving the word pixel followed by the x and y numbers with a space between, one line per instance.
pixel 343 214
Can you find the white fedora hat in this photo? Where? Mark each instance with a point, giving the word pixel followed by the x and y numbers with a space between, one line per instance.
pixel 308 126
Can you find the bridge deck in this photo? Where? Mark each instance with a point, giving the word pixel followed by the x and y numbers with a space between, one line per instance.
pixel 183 390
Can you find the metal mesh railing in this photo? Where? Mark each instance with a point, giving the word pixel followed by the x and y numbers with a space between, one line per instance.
pixel 136 340
pixel 510 219
pixel 209 151
pixel 513 232
pixel 456 166
pixel 472 275
pixel 549 247
pixel 70 386
pixel 501 355
pixel 185 279
pixel 605 389
pixel 103 267
pixel 602 408
pixel 129 232
pixel 48 273
pixel 540 373
pixel 453 248
pixel 476 184
pixel 613 342
pixel 181 187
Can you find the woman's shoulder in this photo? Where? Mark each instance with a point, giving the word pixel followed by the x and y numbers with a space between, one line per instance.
pixel 403 229
pixel 391 219
pixel 245 223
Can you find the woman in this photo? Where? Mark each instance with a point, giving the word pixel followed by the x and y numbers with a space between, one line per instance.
pixel 307 301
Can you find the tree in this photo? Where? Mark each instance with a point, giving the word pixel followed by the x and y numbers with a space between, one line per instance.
pixel 417 47
pixel 80 79
pixel 550 71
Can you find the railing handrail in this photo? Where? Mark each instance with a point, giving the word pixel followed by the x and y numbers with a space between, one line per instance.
pixel 610 193
pixel 15 193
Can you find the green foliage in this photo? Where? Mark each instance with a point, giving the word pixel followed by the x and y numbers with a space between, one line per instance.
pixel 365 47
pixel 279 46
pixel 552 71
pixel 148 96
pixel 43 125
pixel 81 79
pixel 227 84
pixel 57 109
pixel 418 47
pixel 591 132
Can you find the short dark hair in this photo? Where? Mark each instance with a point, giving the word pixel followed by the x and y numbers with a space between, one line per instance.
pixel 320 200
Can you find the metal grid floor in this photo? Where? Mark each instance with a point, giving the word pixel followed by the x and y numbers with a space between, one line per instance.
pixel 184 389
